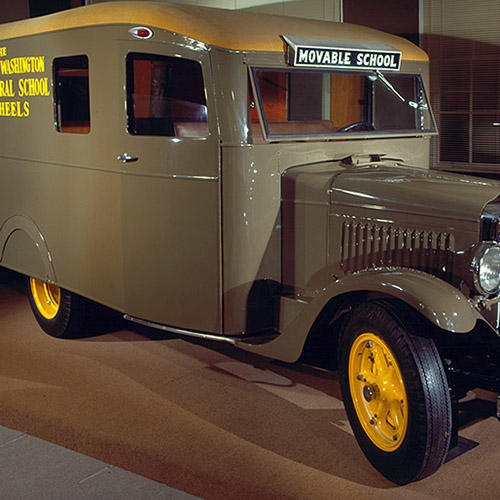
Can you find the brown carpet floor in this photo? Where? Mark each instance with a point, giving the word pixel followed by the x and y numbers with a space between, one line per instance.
pixel 207 418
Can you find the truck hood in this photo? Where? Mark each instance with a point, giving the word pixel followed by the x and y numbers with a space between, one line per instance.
pixel 391 187
pixel 414 191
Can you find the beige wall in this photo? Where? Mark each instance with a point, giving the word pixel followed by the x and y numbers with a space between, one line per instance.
pixel 328 10
pixel 14 10
pixel 399 17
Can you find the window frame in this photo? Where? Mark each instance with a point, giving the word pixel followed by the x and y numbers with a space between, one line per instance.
pixel 335 135
pixel 131 125
pixel 59 122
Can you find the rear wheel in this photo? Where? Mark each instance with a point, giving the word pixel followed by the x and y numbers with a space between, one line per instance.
pixel 59 312
pixel 395 392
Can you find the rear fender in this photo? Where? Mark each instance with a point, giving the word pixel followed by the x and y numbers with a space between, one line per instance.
pixel 23 249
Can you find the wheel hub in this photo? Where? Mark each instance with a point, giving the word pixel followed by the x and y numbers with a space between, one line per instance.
pixel 47 298
pixel 370 392
pixel 378 391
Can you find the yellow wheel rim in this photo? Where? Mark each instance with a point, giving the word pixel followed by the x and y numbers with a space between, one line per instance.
pixel 47 298
pixel 378 392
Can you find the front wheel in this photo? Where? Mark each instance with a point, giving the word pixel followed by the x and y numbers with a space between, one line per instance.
pixel 395 392
pixel 59 312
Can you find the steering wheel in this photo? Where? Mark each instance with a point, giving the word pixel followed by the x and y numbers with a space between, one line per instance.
pixel 362 125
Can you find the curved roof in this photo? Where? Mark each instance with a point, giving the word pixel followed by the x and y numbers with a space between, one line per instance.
pixel 230 29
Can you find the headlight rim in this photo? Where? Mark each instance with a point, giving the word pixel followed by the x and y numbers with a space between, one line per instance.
pixel 479 253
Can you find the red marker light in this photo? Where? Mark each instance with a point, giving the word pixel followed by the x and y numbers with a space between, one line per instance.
pixel 141 32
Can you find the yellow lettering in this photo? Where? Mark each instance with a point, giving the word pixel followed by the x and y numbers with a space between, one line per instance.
pixel 45 86
pixel 3 51
pixel 33 87
pixel 6 89
pixel 33 64
pixel 15 108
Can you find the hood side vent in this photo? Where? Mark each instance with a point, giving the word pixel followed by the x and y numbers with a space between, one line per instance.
pixel 366 245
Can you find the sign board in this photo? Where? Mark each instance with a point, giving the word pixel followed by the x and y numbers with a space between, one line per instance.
pixel 306 53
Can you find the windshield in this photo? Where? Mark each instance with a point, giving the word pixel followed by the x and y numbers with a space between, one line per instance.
pixel 295 103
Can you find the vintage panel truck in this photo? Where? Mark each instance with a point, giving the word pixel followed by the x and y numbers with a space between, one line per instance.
pixel 259 180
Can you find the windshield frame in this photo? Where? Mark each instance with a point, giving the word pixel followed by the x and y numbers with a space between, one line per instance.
pixel 336 135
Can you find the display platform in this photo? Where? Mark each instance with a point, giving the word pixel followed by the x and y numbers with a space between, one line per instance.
pixel 208 419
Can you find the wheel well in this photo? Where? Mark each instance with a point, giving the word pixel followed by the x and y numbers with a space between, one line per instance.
pixel 470 358
pixel 321 346
pixel 23 248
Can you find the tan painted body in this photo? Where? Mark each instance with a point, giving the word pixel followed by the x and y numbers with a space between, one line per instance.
pixel 217 234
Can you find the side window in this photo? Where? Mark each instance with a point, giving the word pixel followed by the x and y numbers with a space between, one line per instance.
pixel 165 96
pixel 71 88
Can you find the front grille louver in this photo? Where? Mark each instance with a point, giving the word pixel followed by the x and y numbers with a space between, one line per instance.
pixel 367 245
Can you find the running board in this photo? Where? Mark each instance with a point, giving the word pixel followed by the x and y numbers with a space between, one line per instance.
pixel 245 340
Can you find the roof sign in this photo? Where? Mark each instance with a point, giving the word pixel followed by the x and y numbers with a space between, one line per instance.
pixel 311 53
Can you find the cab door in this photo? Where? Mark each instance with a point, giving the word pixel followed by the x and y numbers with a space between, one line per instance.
pixel 169 158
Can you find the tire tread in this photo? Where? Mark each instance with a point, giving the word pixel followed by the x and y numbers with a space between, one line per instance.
pixel 426 381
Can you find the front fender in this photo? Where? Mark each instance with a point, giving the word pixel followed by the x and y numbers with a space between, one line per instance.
pixel 437 300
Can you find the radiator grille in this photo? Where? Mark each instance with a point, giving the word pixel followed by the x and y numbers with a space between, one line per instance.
pixel 366 245
pixel 490 222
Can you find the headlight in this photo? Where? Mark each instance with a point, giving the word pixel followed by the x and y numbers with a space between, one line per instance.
pixel 486 269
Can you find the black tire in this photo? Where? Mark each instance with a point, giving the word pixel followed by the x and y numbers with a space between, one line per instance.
pixel 379 343
pixel 59 313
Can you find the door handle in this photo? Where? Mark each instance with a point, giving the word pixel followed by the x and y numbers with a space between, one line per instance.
pixel 126 158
